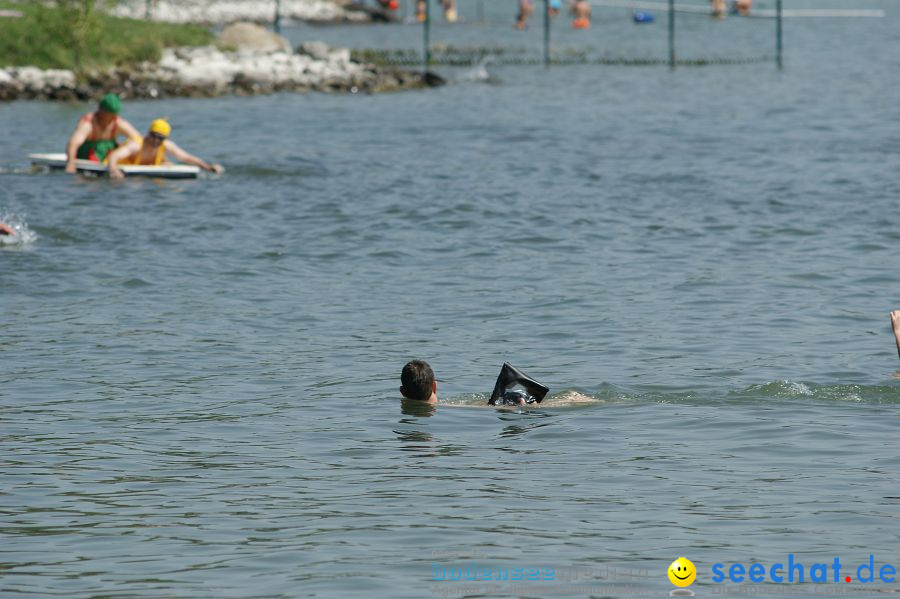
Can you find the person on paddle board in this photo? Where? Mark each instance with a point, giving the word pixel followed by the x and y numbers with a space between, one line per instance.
pixel 152 150
pixel 96 134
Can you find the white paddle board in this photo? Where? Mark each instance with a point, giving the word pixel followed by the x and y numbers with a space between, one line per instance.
pixel 165 171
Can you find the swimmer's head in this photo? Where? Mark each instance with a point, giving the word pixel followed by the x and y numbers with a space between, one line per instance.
pixel 509 377
pixel 417 381
pixel 517 397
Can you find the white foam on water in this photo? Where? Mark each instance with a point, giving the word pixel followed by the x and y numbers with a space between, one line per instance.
pixel 795 388
pixel 478 72
pixel 23 235
pixel 563 400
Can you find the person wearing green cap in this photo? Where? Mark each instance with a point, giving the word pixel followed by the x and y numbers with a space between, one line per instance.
pixel 97 132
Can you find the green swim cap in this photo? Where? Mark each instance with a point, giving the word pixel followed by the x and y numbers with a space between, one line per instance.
pixel 111 103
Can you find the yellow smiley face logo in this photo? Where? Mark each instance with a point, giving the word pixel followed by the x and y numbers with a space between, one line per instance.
pixel 682 572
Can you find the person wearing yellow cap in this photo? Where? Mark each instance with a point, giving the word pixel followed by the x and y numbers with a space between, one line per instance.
pixel 96 134
pixel 153 150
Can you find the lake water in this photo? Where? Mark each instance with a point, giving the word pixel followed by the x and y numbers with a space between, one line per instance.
pixel 198 379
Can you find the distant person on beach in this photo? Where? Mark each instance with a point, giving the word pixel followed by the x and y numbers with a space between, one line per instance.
pixel 581 10
pixel 895 324
pixel 554 8
pixel 152 150
pixel 526 7
pixel 719 10
pixel 389 4
pixel 450 14
pixel 417 382
pixel 449 6
pixel 96 134
pixel 742 7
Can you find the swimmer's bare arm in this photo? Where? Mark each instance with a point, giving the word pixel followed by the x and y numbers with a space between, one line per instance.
pixel 895 324
pixel 179 154
pixel 78 137
pixel 121 153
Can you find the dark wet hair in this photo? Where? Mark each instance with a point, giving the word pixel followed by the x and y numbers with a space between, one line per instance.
pixel 417 379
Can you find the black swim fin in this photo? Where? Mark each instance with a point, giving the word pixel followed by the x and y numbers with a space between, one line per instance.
pixel 510 376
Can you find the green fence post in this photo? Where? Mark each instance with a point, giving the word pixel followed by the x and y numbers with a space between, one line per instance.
pixel 672 34
pixel 778 34
pixel 546 33
pixel 278 16
pixel 427 34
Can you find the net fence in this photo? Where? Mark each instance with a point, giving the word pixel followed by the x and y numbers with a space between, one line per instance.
pixel 475 32
pixel 621 32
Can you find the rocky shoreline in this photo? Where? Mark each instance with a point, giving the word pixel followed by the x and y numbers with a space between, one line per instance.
pixel 213 12
pixel 254 68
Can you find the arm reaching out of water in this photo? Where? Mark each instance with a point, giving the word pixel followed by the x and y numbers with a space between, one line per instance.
pixel 183 156
pixel 895 324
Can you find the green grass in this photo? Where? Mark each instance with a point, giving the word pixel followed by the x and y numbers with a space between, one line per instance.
pixel 47 37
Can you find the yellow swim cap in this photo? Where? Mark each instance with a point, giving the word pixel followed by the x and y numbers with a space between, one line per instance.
pixel 161 126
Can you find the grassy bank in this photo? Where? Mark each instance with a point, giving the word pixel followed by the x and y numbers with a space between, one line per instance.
pixel 48 37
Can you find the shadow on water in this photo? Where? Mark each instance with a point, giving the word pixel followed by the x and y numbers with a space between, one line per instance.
pixel 423 443
pixel 411 407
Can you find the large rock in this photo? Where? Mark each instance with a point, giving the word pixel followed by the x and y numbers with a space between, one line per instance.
pixel 315 50
pixel 253 38
pixel 321 51
pixel 38 81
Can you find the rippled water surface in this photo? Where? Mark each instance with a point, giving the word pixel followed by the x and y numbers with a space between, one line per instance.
pixel 198 379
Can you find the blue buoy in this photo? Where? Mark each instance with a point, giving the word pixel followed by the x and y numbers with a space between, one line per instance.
pixel 643 16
